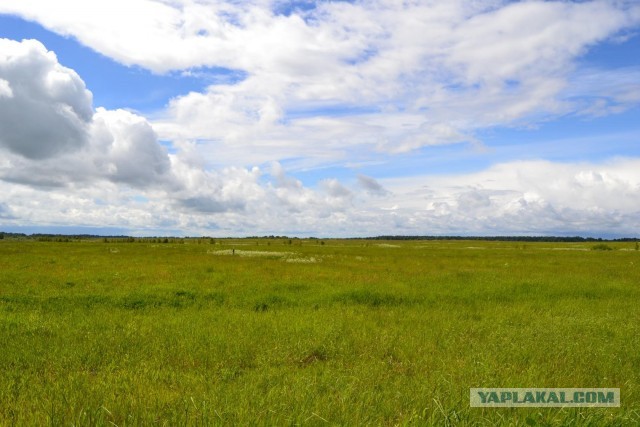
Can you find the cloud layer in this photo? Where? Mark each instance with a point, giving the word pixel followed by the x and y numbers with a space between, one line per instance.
pixel 331 83
pixel 358 76
pixel 532 197
pixel 392 77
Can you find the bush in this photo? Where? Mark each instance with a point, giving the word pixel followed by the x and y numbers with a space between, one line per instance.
pixel 601 247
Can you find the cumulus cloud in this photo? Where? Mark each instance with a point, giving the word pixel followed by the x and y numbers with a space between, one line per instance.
pixel 532 197
pixel 121 147
pixel 51 134
pixel 45 108
pixel 127 148
pixel 205 192
pixel 5 89
pixel 537 197
pixel 371 186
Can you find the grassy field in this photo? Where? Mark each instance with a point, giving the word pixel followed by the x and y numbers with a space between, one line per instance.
pixel 336 332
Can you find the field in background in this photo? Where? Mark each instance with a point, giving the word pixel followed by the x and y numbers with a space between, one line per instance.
pixel 311 332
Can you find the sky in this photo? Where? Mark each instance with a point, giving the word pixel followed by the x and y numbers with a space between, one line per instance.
pixel 320 118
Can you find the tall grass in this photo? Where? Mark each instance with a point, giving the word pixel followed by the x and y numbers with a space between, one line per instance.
pixel 97 333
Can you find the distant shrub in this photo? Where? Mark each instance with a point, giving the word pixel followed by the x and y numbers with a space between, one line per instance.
pixel 601 247
pixel 372 299
pixel 185 294
pixel 261 306
pixel 215 298
pixel 135 303
pixel 271 301
pixel 182 299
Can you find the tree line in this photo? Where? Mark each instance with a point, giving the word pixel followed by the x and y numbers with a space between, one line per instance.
pixel 163 239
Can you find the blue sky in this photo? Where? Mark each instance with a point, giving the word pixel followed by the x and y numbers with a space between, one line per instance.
pixel 115 85
pixel 336 118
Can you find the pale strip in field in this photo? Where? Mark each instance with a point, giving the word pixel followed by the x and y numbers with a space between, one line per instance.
pixel 567 249
pixel 286 256
pixel 238 252
pixel 309 260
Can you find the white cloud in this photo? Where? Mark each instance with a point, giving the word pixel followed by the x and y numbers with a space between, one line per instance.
pixel 52 136
pixel 371 75
pixel 45 108
pixel 335 190
pixel 600 92
pixel 532 38
pixel 5 89
pixel 535 197
pixel 127 148
pixel 371 186
pixel 532 197
pixel 394 77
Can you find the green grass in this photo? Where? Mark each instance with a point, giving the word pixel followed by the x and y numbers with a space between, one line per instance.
pixel 340 333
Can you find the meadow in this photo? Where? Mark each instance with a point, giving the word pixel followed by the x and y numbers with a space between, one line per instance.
pixel 311 332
